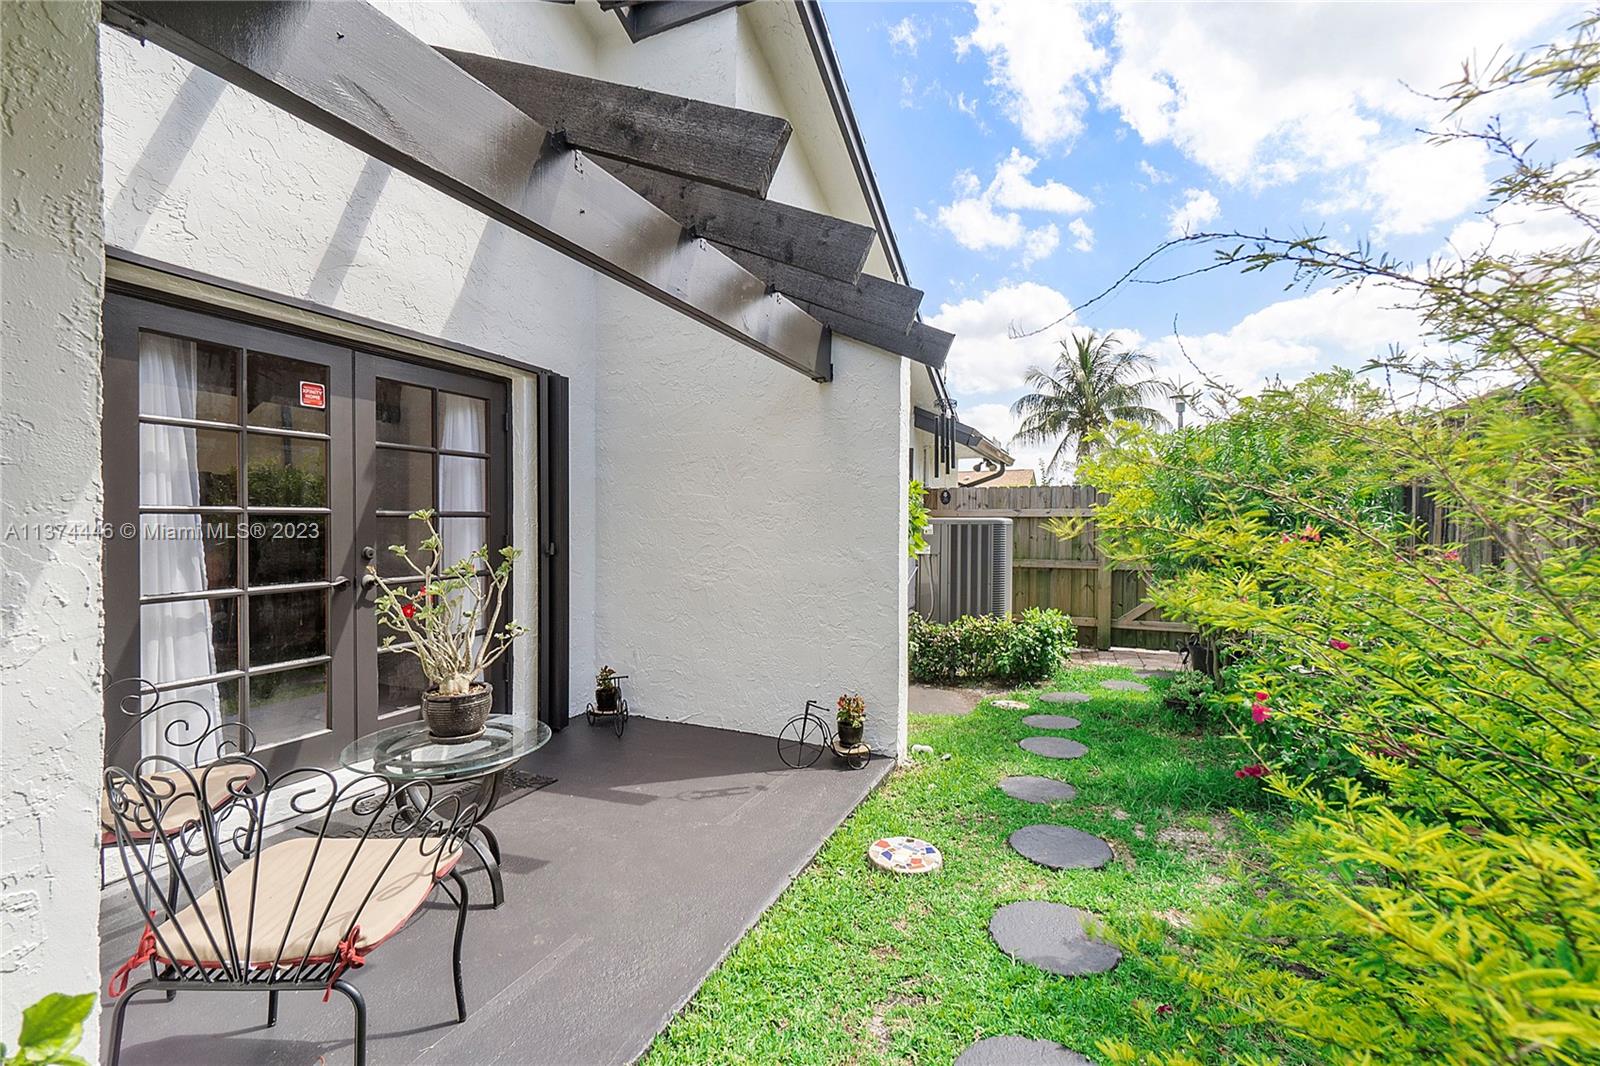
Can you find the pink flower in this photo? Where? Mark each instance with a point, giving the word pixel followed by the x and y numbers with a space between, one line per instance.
pixel 1544 639
pixel 1163 1009
pixel 1452 556
pixel 1261 697
pixel 1255 769
pixel 1260 712
pixel 1338 645
pixel 1311 533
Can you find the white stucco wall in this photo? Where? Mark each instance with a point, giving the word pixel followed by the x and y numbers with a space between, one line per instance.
pixel 50 640
pixel 806 521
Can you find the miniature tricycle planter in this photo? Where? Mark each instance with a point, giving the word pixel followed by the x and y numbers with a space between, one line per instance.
pixel 610 706
pixel 804 738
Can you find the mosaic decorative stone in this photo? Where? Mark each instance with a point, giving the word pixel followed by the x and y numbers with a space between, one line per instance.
pixel 1051 721
pixel 1019 1051
pixel 1051 937
pixel 1119 685
pixel 1060 848
pixel 1054 747
pixel 904 855
pixel 1037 789
pixel 1066 697
pixel 1012 705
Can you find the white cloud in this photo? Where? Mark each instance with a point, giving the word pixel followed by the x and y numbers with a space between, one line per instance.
pixel 1039 55
pixel 986 359
pixel 1415 186
pixel 1198 208
pixel 1264 93
pixel 907 34
pixel 1011 188
pixel 975 219
pixel 1039 243
pixel 1154 176
pixel 1083 233
pixel 1296 337
pixel 1521 229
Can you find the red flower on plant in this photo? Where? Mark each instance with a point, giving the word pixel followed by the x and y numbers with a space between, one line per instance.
pixel 1311 533
pixel 1255 769
pixel 1163 1009
pixel 1260 712
pixel 407 609
pixel 1546 639
pixel 1452 556
pixel 1338 645
pixel 1261 697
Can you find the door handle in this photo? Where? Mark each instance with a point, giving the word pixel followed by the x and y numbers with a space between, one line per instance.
pixel 340 582
pixel 368 581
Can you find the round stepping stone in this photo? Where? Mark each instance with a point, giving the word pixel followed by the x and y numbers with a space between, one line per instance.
pixel 1054 747
pixel 1051 937
pixel 1119 685
pixel 1065 697
pixel 1037 789
pixel 904 855
pixel 1156 675
pixel 1012 705
pixel 1060 848
pixel 1050 721
pixel 1019 1051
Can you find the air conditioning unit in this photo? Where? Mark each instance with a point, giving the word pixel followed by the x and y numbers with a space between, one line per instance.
pixel 966 570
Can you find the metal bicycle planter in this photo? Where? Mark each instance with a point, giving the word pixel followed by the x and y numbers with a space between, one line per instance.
pixel 804 738
pixel 617 719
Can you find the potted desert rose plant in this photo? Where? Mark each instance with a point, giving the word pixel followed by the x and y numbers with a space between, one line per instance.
pixel 605 691
pixel 452 621
pixel 852 720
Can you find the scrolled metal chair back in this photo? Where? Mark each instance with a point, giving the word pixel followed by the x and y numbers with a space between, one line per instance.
pixel 186 728
pixel 268 883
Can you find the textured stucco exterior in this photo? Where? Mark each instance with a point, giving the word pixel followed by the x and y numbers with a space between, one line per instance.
pixel 730 598
pixel 50 495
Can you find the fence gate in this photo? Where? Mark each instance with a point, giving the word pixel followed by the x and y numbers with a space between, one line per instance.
pixel 1069 575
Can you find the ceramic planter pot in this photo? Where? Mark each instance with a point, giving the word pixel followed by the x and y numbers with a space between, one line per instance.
pixel 457 717
pixel 850 735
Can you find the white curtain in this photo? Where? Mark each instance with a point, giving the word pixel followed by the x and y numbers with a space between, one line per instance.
pixel 175 637
pixel 461 480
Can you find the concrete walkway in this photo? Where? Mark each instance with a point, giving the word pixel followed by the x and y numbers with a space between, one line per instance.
pixel 627 881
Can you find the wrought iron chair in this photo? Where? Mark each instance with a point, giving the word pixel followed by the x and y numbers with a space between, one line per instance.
pixel 265 892
pixel 186 729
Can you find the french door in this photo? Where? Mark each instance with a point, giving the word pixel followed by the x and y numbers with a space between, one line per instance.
pixel 252 475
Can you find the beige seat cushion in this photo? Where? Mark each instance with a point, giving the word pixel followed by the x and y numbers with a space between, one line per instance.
pixel 178 807
pixel 398 888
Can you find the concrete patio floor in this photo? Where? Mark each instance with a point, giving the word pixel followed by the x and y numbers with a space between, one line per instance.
pixel 626 881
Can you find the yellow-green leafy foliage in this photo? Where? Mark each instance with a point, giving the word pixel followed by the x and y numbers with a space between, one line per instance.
pixel 1427 708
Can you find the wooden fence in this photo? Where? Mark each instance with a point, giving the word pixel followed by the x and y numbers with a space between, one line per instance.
pixel 1107 602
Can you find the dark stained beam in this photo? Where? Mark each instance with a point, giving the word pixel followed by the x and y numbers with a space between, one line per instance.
pixel 921 343
pixel 723 146
pixel 869 299
pixel 353 73
pixel 646 18
pixel 811 241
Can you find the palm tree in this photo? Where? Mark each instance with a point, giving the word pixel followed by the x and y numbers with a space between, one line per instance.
pixel 1095 381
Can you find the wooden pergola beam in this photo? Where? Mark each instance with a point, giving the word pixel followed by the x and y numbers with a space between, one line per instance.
pixel 822 244
pixel 870 299
pixel 921 343
pixel 355 74
pixel 722 146
pixel 646 18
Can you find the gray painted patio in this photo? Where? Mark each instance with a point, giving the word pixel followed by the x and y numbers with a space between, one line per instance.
pixel 627 881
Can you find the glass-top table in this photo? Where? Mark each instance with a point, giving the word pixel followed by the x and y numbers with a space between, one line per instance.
pixel 415 760
pixel 409 753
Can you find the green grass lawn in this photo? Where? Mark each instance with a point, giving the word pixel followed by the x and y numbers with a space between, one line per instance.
pixel 853 965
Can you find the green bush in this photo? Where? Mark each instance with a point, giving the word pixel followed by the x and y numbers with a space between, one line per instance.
pixel 989 647
pixel 1430 724
pixel 1191 698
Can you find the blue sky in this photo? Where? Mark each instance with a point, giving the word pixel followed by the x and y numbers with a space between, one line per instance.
pixel 1032 150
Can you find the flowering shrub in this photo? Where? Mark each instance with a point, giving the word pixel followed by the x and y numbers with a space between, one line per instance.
pixel 1432 726
pixel 983 647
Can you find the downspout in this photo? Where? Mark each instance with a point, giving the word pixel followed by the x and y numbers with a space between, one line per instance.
pixel 985 479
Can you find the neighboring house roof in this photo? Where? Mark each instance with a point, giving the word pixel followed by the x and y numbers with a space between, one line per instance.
pixel 1016 478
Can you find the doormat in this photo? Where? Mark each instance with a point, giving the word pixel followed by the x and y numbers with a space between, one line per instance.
pixel 515 785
